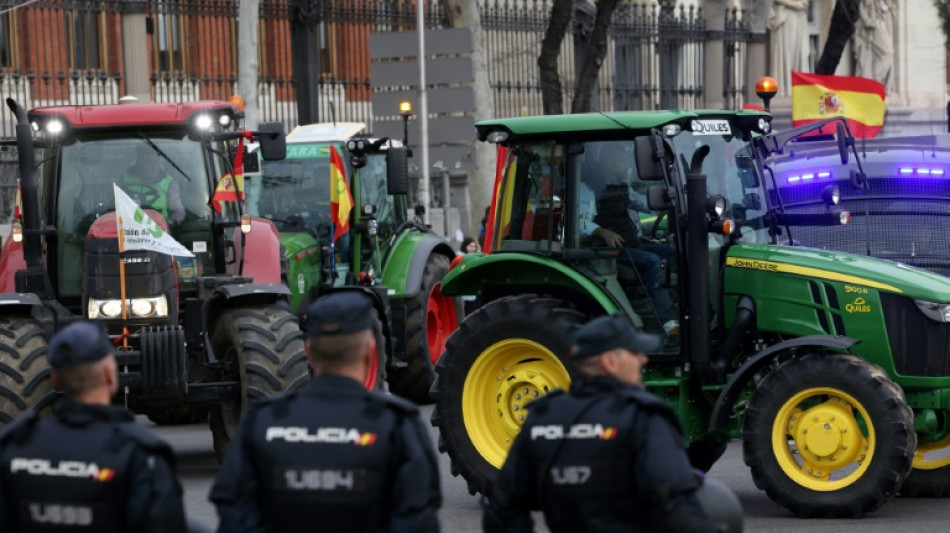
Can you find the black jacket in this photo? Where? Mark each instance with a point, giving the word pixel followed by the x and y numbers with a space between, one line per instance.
pixel 606 457
pixel 331 455
pixel 86 465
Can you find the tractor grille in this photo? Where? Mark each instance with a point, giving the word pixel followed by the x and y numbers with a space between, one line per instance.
pixel 920 346
pixel 905 220
pixel 146 273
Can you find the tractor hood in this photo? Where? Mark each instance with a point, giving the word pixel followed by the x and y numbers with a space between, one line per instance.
pixel 858 270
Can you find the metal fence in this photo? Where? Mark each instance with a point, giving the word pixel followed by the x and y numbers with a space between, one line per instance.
pixel 55 52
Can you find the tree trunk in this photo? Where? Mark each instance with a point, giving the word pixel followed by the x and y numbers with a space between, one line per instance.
pixel 551 96
pixel 598 49
pixel 840 32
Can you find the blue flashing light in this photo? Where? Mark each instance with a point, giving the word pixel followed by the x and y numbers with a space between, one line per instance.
pixel 794 179
pixel 923 171
pixel 936 172
pixel 906 171
pixel 808 176
pixel 824 174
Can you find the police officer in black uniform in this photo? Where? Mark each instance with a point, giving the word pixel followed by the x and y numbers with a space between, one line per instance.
pixel 331 456
pixel 605 457
pixel 88 466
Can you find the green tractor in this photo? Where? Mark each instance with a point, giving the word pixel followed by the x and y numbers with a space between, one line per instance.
pixel 387 254
pixel 832 368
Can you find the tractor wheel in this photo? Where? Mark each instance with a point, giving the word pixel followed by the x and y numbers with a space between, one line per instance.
pixel 427 328
pixel 264 346
pixel 930 477
pixel 501 358
pixel 177 415
pixel 24 370
pixel 828 436
pixel 376 375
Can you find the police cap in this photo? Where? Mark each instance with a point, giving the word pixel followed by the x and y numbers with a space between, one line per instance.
pixel 80 342
pixel 606 333
pixel 338 313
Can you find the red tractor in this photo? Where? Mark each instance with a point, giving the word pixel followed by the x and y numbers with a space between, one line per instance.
pixel 195 334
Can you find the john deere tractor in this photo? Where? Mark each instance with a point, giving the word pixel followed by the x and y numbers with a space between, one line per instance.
pixel 386 253
pixel 832 368
pixel 213 332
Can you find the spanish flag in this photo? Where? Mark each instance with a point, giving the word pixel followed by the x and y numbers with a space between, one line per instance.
pixel 859 100
pixel 230 187
pixel 341 201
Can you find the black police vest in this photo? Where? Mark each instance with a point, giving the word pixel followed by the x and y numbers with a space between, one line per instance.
pixel 58 477
pixel 582 449
pixel 612 213
pixel 324 462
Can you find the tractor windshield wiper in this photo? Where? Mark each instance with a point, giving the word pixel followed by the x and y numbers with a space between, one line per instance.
pixel 162 153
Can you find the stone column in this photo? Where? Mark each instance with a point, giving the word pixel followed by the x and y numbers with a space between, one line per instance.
pixel 305 57
pixel 714 15
pixel 135 51
pixel 757 13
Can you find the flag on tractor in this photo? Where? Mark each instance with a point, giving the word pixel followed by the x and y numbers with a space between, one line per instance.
pixel 138 231
pixel 230 187
pixel 341 201
pixel 18 202
pixel 859 100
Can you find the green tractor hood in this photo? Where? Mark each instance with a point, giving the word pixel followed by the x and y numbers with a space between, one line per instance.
pixel 856 270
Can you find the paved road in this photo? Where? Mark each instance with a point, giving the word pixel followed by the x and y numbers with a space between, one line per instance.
pixel 461 512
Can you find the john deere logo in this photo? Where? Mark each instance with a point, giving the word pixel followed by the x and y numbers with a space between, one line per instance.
pixel 859 305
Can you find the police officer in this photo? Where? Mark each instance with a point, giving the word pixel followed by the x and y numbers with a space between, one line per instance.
pixel 605 457
pixel 331 454
pixel 87 467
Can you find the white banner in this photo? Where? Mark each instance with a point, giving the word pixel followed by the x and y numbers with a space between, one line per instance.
pixel 140 231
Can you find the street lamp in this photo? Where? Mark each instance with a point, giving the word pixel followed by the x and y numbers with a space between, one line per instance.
pixel 405 109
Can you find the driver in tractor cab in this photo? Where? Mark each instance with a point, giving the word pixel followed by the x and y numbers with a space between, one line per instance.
pixel 609 209
pixel 148 184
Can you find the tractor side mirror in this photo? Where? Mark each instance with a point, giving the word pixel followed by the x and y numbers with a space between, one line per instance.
pixel 252 161
pixel 648 166
pixel 397 170
pixel 272 140
pixel 658 199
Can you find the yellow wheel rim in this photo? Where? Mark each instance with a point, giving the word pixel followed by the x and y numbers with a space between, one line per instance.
pixel 823 439
pixel 505 378
pixel 939 454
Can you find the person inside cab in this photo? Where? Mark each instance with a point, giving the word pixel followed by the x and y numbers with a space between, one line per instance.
pixel 610 210
pixel 150 186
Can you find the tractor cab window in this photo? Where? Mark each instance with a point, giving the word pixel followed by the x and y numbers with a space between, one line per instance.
pixel 530 209
pixel 373 191
pixel 613 213
pixel 165 173
pixel 294 192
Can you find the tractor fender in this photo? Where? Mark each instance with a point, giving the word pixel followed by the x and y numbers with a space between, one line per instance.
pixel 729 395
pixel 233 295
pixel 475 272
pixel 261 254
pixel 405 263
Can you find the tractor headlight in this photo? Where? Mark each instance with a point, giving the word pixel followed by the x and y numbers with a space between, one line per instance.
pixel 137 308
pixel 203 122
pixel 934 311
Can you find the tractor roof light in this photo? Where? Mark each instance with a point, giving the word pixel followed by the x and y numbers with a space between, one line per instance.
pixel 224 120
pixel 245 223
pixel 716 205
pixel 766 87
pixel 764 125
pixel 55 127
pixel 831 195
pixel 405 108
pixel 672 130
pixel 844 218
pixel 497 136
pixel 203 122
pixel 16 231
pixel 237 102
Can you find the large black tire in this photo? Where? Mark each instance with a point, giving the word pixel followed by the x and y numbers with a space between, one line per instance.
pixel 24 370
pixel 425 337
pixel 930 477
pixel 828 435
pixel 502 356
pixel 264 346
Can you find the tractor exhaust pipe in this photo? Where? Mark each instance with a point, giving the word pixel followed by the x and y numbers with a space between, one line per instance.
pixel 34 279
pixel 697 249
